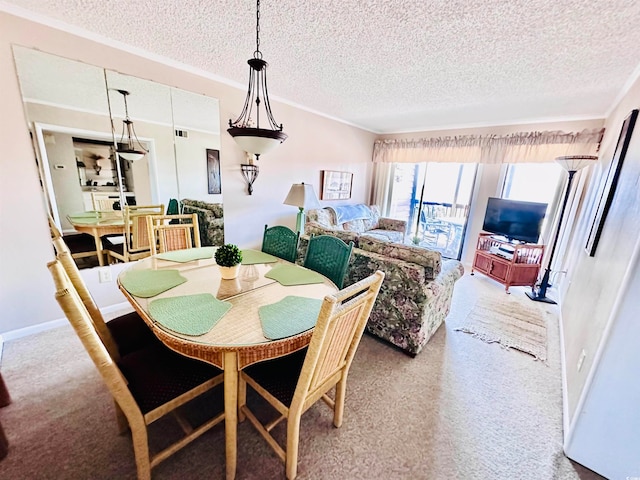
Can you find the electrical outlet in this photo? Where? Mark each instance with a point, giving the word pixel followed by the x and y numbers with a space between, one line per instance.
pixel 104 274
pixel 583 355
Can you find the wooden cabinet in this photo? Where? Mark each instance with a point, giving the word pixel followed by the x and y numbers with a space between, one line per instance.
pixel 508 263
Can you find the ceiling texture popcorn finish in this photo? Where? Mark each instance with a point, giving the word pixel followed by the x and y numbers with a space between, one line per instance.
pixel 392 65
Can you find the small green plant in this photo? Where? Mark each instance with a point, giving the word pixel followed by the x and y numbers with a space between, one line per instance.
pixel 228 255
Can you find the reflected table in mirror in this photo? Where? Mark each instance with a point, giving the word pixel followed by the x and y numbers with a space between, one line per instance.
pixel 98 224
pixel 236 340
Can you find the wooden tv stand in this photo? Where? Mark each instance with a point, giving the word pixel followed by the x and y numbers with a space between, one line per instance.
pixel 508 263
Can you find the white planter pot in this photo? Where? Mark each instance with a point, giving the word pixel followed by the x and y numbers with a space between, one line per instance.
pixel 229 273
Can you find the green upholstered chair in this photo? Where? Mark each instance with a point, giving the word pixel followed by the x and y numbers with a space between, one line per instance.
pixel 281 242
pixel 329 256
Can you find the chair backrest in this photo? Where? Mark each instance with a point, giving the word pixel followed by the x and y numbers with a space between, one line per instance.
pixel 341 322
pixel 103 201
pixel 66 261
pixel 136 230
pixel 329 256
pixel 280 241
pixel 166 236
pixel 55 232
pixel 81 321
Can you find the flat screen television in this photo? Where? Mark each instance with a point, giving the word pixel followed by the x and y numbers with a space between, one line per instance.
pixel 514 220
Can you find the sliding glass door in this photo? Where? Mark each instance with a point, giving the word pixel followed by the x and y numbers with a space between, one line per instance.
pixel 434 199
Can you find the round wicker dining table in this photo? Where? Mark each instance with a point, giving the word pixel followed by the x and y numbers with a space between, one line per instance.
pixel 236 341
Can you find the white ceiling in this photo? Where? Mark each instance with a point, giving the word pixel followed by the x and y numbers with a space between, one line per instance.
pixel 392 65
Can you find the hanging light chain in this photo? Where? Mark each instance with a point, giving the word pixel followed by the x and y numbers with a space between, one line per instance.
pixel 257 53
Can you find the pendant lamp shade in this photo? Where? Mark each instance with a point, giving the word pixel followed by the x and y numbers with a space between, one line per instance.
pixel 250 138
pixel 129 147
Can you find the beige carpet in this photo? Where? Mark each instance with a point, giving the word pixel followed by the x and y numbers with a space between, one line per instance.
pixel 511 323
pixel 462 409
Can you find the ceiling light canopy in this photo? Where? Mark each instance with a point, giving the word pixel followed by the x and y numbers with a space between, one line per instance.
pixel 129 147
pixel 250 138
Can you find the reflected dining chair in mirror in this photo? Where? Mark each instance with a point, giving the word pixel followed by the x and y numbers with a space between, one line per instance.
pixel 173 232
pixel 135 243
pixel 146 384
pixel 329 256
pixel 293 383
pixel 280 241
pixel 80 245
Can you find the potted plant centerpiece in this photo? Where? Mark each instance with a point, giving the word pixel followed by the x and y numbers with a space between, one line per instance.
pixel 228 258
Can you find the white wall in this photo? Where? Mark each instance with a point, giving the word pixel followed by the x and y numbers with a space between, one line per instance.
pixel 315 143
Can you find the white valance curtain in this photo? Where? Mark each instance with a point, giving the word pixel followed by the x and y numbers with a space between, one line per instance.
pixel 522 147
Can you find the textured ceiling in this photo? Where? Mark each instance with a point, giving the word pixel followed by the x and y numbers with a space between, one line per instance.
pixel 393 65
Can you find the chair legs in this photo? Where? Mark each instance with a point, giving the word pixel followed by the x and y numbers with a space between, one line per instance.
pixel 293 437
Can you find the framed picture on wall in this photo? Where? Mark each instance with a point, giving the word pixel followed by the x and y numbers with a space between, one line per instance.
pixel 606 197
pixel 336 185
pixel 213 171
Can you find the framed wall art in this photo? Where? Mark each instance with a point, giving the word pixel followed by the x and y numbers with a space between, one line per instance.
pixel 336 185
pixel 606 196
pixel 213 171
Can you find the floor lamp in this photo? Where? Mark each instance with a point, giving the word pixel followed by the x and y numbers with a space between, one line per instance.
pixel 304 197
pixel 571 164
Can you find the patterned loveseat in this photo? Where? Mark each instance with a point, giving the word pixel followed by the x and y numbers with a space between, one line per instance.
pixel 350 222
pixel 210 220
pixel 415 297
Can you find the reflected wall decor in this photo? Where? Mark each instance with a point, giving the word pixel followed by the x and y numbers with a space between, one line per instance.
pixel 213 171
pixel 609 189
pixel 336 185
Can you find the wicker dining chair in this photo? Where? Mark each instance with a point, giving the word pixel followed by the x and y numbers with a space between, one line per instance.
pixel 135 242
pixel 280 241
pixel 173 232
pixel 121 335
pixel 146 384
pixel 329 256
pixel 293 383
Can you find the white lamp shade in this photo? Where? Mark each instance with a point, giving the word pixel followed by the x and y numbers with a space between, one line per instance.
pixel 257 145
pixel 573 163
pixel 302 195
pixel 132 156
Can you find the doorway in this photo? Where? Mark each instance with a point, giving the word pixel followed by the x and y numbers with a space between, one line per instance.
pixel 434 199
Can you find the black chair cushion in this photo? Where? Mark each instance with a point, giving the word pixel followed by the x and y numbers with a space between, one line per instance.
pixel 279 376
pixel 80 242
pixel 109 243
pixel 157 375
pixel 131 333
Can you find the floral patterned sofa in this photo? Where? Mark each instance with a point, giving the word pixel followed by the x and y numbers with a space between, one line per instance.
pixel 415 297
pixel 210 220
pixel 361 220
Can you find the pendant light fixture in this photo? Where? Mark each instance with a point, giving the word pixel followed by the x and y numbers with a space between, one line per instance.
pixel 129 146
pixel 253 139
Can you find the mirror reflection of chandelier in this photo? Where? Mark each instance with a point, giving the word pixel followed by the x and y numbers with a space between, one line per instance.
pixel 129 147
pixel 250 138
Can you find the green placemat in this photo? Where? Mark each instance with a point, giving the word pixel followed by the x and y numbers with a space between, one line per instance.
pixel 84 220
pixel 251 257
pixel 188 315
pixel 88 214
pixel 149 283
pixel 289 316
pixel 286 274
pixel 187 255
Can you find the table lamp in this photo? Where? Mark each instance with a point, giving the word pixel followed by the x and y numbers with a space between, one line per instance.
pixel 304 197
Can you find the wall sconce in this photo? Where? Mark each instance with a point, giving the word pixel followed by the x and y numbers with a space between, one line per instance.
pixel 250 173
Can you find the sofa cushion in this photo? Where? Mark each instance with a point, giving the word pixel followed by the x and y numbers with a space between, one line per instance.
pixel 430 259
pixel 317 229
pixel 385 235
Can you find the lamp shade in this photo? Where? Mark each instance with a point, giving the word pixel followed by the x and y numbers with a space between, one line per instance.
pixel 256 140
pixel 573 163
pixel 131 155
pixel 303 196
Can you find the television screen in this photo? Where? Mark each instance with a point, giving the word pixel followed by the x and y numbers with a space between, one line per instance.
pixel 514 219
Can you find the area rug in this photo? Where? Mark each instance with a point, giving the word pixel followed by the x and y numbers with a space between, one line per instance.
pixel 511 324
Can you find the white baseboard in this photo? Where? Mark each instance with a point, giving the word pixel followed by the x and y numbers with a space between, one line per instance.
pixel 42 327
pixel 565 391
